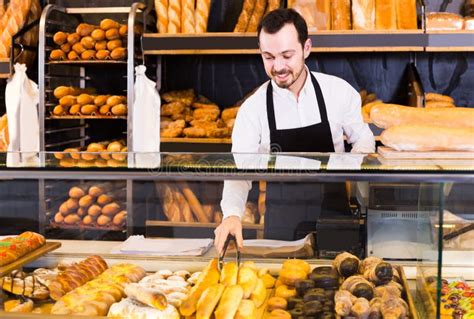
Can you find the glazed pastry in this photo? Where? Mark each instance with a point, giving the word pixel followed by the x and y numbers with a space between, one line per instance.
pixel 18 305
pixel 302 286
pixel 289 276
pixel 359 287
pixel 312 308
pixel 12 248
pixel 376 270
pixel 285 292
pixel 22 284
pixel 360 308
pixel 329 281
pixel 344 300
pixel 276 303
pixel 315 294
pixel 153 298
pixel 346 264
pixel 294 301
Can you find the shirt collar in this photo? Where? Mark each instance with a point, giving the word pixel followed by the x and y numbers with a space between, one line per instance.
pixel 308 84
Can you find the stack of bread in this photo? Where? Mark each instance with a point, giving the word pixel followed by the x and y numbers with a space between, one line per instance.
pixel 252 12
pixel 425 129
pixel 89 42
pixel 357 14
pixel 95 297
pixel 155 296
pixel 18 14
pixel 182 16
pixel 368 100
pixel 184 114
pixel 93 205
pixel 4 137
pixel 12 248
pixel 448 21
pixel 234 292
pixel 100 154
pixel 76 101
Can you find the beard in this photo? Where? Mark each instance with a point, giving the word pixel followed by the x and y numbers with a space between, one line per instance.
pixel 292 77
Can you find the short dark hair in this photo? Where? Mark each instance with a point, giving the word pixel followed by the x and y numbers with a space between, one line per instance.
pixel 276 19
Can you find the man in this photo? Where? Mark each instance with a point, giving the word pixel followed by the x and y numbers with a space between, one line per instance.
pixel 297 111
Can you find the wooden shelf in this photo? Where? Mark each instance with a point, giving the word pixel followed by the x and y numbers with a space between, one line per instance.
pixel 82 227
pixel 86 62
pixel 85 117
pixel 155 223
pixel 31 256
pixel 246 43
pixel 196 140
pixel 450 41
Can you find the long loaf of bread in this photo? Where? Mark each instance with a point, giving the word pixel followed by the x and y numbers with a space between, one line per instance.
pixel 406 14
pixel 388 115
pixel 341 14
pixel 161 8
pixel 19 16
pixel 195 204
pixel 174 16
pixel 363 14
pixel 385 15
pixel 187 16
pixel 323 14
pixel 428 138
pixel 257 15
pixel 245 14
pixel 272 5
pixel 203 9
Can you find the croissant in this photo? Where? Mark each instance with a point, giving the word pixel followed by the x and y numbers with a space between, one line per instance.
pixel 346 264
pixel 394 308
pixel 359 287
pixel 376 270
pixel 360 308
pixel 343 300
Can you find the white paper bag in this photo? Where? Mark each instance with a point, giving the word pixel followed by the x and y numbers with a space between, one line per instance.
pixel 146 120
pixel 21 99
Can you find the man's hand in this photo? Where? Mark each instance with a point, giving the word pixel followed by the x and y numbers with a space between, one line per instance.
pixel 230 225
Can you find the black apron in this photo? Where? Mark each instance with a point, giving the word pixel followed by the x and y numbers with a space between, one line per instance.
pixel 290 207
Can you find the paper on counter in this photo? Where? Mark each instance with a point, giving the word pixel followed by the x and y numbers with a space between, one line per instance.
pixel 345 161
pixel 163 247
pixel 285 162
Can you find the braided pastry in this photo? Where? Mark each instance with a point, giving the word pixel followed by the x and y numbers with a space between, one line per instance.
pixel 245 15
pixel 187 16
pixel 12 248
pixel 17 19
pixel 174 16
pixel 161 7
pixel 203 8
pixel 22 284
pixel 257 15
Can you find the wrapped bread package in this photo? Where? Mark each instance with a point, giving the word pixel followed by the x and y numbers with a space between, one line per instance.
pixel 341 15
pixel 406 14
pixel 428 138
pixel 385 15
pixel 388 115
pixel 440 21
pixel 363 14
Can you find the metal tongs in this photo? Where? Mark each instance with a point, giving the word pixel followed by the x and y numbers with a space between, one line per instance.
pixel 220 263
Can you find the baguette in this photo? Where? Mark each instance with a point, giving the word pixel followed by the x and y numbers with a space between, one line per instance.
pixel 363 14
pixel 245 15
pixel 208 301
pixel 257 15
pixel 187 16
pixel 229 303
pixel 272 5
pixel 229 274
pixel 194 203
pixel 406 14
pixel 203 8
pixel 425 138
pixel 174 16
pixel 341 15
pixel 247 310
pixel 247 279
pixel 385 15
pixel 435 97
pixel 387 115
pixel 161 7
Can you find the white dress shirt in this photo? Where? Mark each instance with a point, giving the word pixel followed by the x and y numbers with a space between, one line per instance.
pixel 251 133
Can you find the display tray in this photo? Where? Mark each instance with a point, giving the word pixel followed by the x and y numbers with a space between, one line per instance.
pixel 87 227
pixel 85 117
pixel 203 140
pixel 82 62
pixel 158 223
pixel 31 256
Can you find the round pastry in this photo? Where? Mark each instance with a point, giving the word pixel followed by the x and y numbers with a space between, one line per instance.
pixel 363 290
pixel 349 266
pixel 302 286
pixel 314 294
pixel 293 301
pixel 289 276
pixel 325 281
pixel 297 263
pixel 312 308
pixel 276 303
pixel 18 305
pixel 323 270
pixel 285 292
pixel 297 313
pixel 280 314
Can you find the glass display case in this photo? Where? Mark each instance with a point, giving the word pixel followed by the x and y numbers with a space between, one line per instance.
pixel 417 214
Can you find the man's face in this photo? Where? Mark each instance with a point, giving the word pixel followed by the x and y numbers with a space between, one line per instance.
pixel 283 55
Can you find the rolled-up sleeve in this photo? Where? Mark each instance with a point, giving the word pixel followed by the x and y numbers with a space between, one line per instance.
pixel 357 132
pixel 245 139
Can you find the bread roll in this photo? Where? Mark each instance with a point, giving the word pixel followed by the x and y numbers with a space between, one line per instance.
pixel 427 138
pixel 104 199
pixel 88 42
pixel 111 209
pixel 107 24
pixel 88 220
pixel 66 47
pixel 57 55
pixel 187 16
pixel 245 15
pixel 77 192
pixel 406 14
pixel 247 279
pixel 84 29
pixel 72 219
pixel 174 16
pixel 72 204
pixel 81 212
pixel 94 210
pixel 230 302
pixel 120 218
pixel 203 8
pixel 95 147
pixel 103 220
pixel 161 7
pixel 98 35
pixel 113 44
pixel 208 301
pixel 102 54
pixel 247 310
pixel 387 115
pixel 78 48
pixel 123 31
pixel 229 274
pixel 118 53
pixel 58 218
pixel 86 201
pixel 100 100
pixel 101 45
pixel 259 294
pixel 62 91
pixel 438 98
pixel 112 34
pixel 73 56
pixel 257 15
pixel 60 38
pixel 119 109
pixel 341 15
pixel 73 38
pixel 363 14
pixel 385 15
pixel 88 55
pixel 59 110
